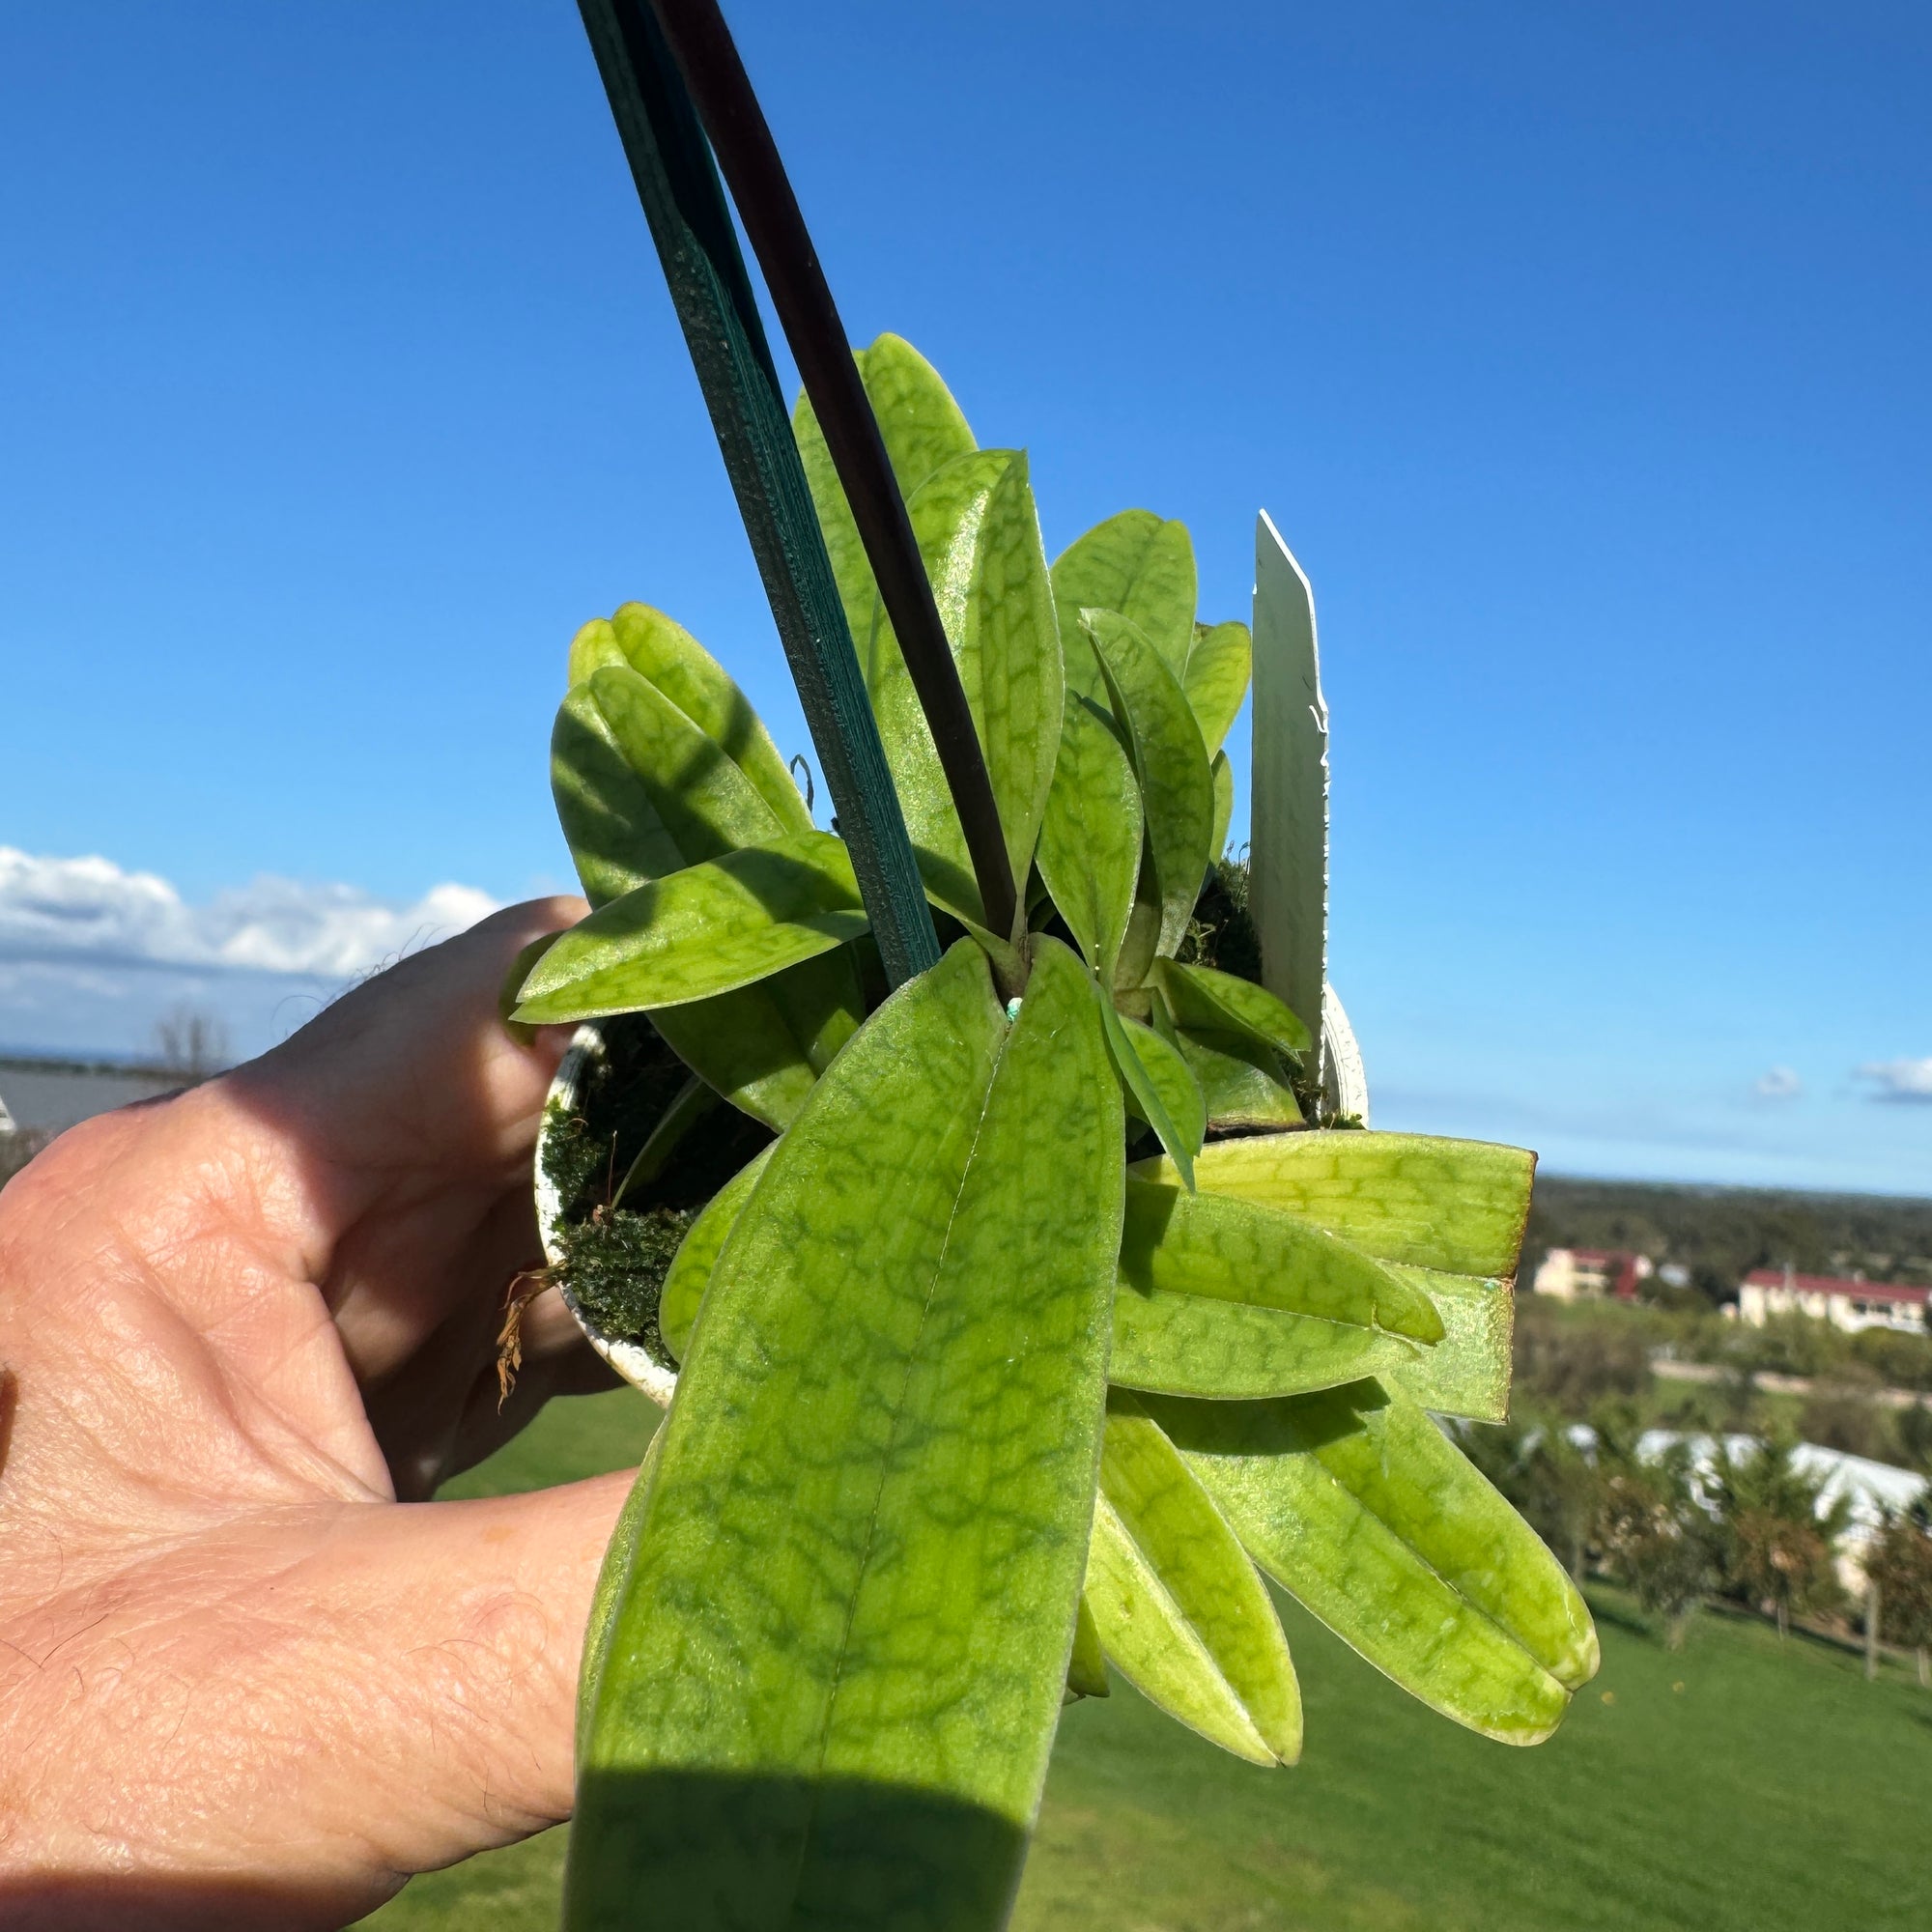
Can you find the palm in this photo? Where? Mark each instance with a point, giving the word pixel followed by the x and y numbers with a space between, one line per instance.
pixel 238 1329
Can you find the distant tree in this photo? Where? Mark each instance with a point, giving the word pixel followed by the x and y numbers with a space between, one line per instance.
pixel 1551 1480
pixel 192 1043
pixel 1898 1559
pixel 1571 1358
pixel 1915 1436
pixel 1776 1542
pixel 1656 1538
pixel 1839 1413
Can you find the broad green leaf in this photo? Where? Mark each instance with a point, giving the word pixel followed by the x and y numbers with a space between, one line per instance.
pixel 1168 1073
pixel 617 842
pixel 763 1046
pixel 704 930
pixel 1467 1372
pixel 1208 1002
pixel 1010 657
pixel 594 646
pixel 697 1255
pixel 1232 1350
pixel 1458 1206
pixel 1356 1503
pixel 705 691
pixel 949 514
pixel 1089 837
pixel 704 801
pixel 1160 1089
pixel 1241 1085
pixel 921 425
pixel 1179 1607
pixel 1223 776
pixel 1223 1298
pixel 923 429
pixel 978 535
pixel 1139 565
pixel 1208 1244
pixel 1216 678
pixel 613 1575
pixel 833 1681
pixel 1087 1667
pixel 1176 786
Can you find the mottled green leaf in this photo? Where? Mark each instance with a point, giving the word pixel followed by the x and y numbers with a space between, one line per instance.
pixel 832 1684
pixel 1177 1605
pixel 1139 565
pixel 1241 1084
pixel 763 1046
pixel 1162 1064
pixel 617 842
pixel 697 1255
pixel 594 646
pixel 1224 1299
pixel 1222 774
pixel 1467 1372
pixel 1210 1003
pixel 1356 1502
pixel 1159 1088
pixel 666 654
pixel 949 514
pixel 1458 1206
pixel 1216 678
pixel 1176 786
pixel 704 930
pixel 923 429
pixel 613 1575
pixel 704 801
pixel 978 535
pixel 1010 659
pixel 1089 838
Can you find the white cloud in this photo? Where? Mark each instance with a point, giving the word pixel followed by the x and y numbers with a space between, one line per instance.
pixel 90 910
pixel 92 957
pixel 1780 1083
pixel 1899 1079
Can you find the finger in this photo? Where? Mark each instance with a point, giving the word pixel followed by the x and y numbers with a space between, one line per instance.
pixel 387 1143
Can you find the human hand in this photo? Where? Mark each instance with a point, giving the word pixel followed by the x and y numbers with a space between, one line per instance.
pixel 249 1677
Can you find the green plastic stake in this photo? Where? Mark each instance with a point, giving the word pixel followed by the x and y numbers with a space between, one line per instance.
pixel 684 202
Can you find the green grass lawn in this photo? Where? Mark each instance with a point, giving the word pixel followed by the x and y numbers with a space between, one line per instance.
pixel 1737 1783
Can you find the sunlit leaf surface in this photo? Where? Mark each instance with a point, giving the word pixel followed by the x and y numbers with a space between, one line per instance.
pixel 923 429
pixel 1459 1206
pixel 1356 1502
pixel 704 930
pixel 1224 1299
pixel 1178 1608
pixel 1089 838
pixel 1216 678
pixel 1143 567
pixel 1176 786
pixel 831 1686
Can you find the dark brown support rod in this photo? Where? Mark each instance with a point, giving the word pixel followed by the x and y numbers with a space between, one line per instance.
pixel 703 46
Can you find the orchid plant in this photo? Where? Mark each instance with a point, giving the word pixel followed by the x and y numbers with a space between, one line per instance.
pixel 1015 1323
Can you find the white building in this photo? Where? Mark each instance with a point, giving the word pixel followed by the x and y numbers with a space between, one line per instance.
pixel 1850 1304
pixel 1871 1491
pixel 1588 1274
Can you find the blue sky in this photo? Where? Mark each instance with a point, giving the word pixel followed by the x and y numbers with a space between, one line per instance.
pixel 1580 353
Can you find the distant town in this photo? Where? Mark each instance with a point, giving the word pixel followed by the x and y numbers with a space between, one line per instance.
pixel 1850 1302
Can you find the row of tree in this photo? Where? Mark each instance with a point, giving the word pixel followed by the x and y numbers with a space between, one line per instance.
pixel 1751 1528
